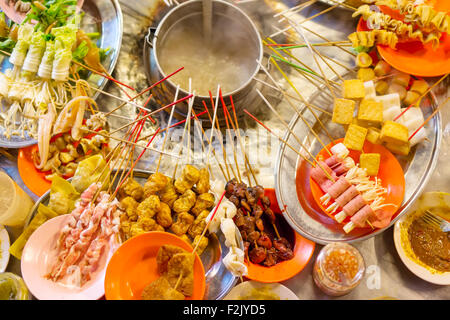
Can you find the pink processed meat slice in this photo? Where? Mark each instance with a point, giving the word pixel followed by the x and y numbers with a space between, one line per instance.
pixel 338 187
pixel 347 196
pixel 354 205
pixel 333 161
pixel 360 218
pixel 319 176
pixel 340 170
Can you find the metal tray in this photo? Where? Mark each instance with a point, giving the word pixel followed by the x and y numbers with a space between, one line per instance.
pixel 299 207
pixel 104 16
pixel 219 281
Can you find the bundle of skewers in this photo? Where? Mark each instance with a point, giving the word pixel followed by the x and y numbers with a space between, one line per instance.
pixel 351 193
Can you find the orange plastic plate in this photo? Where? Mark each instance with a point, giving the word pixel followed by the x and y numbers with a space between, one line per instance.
pixel 32 177
pixel 390 173
pixel 303 250
pixel 413 57
pixel 133 266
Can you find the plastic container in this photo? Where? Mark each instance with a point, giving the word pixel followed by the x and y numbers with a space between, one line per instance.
pixel 15 204
pixel 339 269
pixel 12 287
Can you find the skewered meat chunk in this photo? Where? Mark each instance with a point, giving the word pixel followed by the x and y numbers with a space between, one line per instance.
pixel 164 216
pixel 257 211
pixel 253 236
pixel 265 201
pixel 189 176
pixel 259 224
pixel 246 205
pixel 235 200
pixel 264 241
pixel 168 194
pixel 155 183
pixel 229 187
pixel 259 192
pixel 205 201
pixel 246 246
pixel 240 189
pixel 183 223
pixel 203 181
pixel 239 218
pixel 271 258
pixel 202 245
pixel 269 213
pixel 185 202
pixel 165 253
pixel 131 188
pixel 257 255
pixel 249 224
pixel 199 224
pixel 149 207
pixel 130 205
pixel 250 195
pixel 284 249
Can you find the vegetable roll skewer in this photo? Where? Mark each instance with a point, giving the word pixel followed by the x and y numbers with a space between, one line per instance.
pixel 20 50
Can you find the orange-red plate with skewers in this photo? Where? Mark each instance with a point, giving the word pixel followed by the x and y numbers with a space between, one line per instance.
pixel 133 266
pixel 302 249
pixel 390 173
pixel 32 177
pixel 413 57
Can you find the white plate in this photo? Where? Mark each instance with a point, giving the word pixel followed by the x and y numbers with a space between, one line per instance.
pixel 4 248
pixel 248 287
pixel 39 253
pixel 427 200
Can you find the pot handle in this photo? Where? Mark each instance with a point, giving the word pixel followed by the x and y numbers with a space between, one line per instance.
pixel 149 37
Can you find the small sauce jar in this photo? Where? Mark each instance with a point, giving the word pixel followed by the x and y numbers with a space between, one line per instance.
pixel 338 269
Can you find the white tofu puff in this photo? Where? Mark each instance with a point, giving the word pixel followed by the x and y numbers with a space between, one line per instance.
pixel 229 231
pixel 234 262
pixel 226 210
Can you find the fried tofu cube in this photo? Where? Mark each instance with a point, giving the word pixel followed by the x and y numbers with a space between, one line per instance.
pixel 343 111
pixel 353 89
pixel 370 111
pixel 370 162
pixel 394 133
pixel 399 149
pixel 381 87
pixel 366 74
pixel 373 135
pixel 355 136
pixel 401 79
pixel 419 86
pixel 412 98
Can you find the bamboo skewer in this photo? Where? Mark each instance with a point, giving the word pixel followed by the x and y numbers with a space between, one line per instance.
pixel 295 10
pixel 423 95
pixel 291 132
pixel 429 118
pixel 168 133
pixel 146 90
pixel 224 152
pixel 307 104
pixel 313 55
pixel 298 111
pixel 325 39
pixel 231 139
pixel 152 113
pixel 312 163
pixel 209 143
pixel 305 20
pixel 133 143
